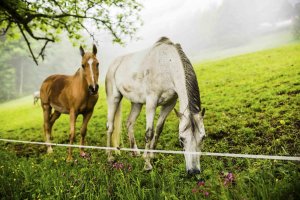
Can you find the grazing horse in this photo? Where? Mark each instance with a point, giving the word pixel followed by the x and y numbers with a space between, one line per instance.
pixel 71 95
pixel 157 76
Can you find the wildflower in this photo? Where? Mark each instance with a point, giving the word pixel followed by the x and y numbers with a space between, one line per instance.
pixel 201 183
pixel 118 166
pixel 230 177
pixel 194 190
pixel 206 193
pixel 129 168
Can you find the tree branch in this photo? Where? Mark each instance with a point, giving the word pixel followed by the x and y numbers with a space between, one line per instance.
pixel 4 31
pixel 28 44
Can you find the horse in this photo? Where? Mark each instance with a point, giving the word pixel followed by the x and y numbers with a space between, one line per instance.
pixel 157 76
pixel 36 97
pixel 71 95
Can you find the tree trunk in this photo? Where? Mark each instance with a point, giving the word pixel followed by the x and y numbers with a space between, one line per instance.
pixel 21 79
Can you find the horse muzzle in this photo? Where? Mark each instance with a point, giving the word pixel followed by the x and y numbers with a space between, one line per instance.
pixel 93 89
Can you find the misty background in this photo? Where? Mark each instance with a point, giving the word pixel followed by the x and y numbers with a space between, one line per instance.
pixel 206 30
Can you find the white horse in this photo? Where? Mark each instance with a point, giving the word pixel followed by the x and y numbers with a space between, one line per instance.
pixel 156 77
pixel 36 97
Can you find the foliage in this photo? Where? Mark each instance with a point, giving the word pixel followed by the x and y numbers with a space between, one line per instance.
pixel 45 20
pixel 252 104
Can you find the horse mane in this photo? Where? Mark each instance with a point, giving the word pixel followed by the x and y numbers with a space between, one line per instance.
pixel 191 82
pixel 190 76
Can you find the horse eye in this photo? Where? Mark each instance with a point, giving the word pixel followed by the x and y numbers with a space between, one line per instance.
pixel 82 65
pixel 97 65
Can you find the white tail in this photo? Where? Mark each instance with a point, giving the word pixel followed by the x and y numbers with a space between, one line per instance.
pixel 117 127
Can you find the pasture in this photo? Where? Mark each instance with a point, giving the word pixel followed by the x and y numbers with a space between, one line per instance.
pixel 252 106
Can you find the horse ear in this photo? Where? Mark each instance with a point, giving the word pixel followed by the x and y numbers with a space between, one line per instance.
pixel 203 112
pixel 178 114
pixel 81 51
pixel 94 49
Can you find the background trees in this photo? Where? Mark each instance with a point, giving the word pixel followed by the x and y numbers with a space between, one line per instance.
pixel 45 20
pixel 32 27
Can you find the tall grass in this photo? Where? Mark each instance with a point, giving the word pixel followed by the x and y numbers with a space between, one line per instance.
pixel 253 106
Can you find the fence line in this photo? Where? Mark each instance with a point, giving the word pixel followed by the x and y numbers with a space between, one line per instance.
pixel 270 157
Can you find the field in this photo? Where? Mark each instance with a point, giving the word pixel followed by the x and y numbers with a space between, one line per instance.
pixel 252 106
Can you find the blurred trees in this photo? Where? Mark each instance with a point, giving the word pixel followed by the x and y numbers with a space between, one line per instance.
pixel 29 27
pixel 296 21
pixel 45 20
pixel 18 74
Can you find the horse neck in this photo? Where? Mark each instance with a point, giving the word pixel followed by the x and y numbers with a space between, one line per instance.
pixel 79 78
pixel 180 87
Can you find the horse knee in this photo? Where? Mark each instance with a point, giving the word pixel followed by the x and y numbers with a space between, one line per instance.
pixel 109 127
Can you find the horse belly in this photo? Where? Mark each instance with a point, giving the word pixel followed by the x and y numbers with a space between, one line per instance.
pixel 61 109
pixel 166 97
pixel 133 93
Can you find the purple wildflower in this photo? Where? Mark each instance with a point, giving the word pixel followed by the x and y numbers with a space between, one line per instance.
pixel 201 183
pixel 228 179
pixel 206 193
pixel 129 168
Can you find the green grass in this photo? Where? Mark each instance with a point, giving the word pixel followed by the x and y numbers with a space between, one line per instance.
pixel 253 106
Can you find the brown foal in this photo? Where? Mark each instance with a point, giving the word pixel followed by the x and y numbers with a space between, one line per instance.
pixel 71 95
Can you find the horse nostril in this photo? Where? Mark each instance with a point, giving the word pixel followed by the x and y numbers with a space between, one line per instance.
pixel 97 88
pixel 91 89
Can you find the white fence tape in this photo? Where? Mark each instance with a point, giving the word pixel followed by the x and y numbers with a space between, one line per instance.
pixel 294 158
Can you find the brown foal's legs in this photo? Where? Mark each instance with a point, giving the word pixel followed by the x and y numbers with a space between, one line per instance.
pixel 83 130
pixel 73 117
pixel 47 131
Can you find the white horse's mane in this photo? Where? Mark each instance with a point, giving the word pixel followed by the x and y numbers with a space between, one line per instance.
pixel 190 77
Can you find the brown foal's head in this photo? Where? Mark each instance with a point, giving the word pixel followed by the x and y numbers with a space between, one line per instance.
pixel 90 67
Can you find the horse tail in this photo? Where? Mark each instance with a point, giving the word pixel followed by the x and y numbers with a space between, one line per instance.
pixel 117 127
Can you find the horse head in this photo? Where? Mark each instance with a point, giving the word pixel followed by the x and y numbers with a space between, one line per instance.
pixel 191 134
pixel 90 67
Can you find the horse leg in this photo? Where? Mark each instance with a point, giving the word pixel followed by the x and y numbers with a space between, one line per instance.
pixel 47 112
pixel 164 112
pixel 113 104
pixel 150 114
pixel 83 130
pixel 54 116
pixel 73 117
pixel 134 113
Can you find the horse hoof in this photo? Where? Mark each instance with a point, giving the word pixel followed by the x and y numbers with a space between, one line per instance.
pixel 135 153
pixel 152 155
pixel 148 167
pixel 69 159
pixel 111 159
pixel 85 155
pixel 49 150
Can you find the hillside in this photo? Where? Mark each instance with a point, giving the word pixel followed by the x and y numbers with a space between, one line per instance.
pixel 252 106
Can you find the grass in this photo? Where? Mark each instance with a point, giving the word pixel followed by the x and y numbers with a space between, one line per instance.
pixel 253 106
